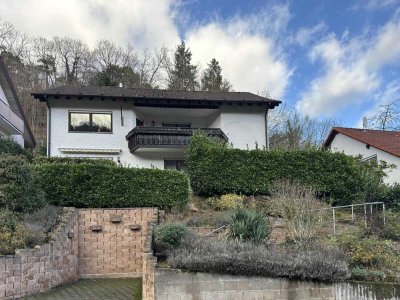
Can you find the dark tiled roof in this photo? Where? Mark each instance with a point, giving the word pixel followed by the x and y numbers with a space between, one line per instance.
pixel 388 141
pixel 15 104
pixel 154 94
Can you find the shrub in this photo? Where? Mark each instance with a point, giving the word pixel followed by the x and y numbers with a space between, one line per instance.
pixel 216 169
pixel 391 230
pixel 10 240
pixel 99 185
pixel 8 146
pixel 226 202
pixel 366 251
pixel 300 209
pixel 248 225
pixel 8 220
pixel 210 255
pixel 169 236
pixel 44 219
pixel 19 190
pixel 72 160
pixel 392 197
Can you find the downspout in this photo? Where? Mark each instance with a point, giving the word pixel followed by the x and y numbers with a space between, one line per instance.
pixel 48 128
pixel 266 129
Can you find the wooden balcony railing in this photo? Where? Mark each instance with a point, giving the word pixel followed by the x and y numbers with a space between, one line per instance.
pixel 167 137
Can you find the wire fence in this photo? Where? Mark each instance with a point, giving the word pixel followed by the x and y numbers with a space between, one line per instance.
pixel 370 215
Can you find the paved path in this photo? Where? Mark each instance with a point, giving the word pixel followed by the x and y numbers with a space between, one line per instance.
pixel 95 289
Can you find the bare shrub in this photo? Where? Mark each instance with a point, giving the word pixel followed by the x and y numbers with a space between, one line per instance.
pixel 297 204
pixel 44 219
pixel 226 257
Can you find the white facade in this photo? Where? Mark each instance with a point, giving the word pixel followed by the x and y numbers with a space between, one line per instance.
pixel 11 125
pixel 243 125
pixel 350 146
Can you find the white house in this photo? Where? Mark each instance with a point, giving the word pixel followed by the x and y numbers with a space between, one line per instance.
pixel 13 122
pixel 149 127
pixel 375 145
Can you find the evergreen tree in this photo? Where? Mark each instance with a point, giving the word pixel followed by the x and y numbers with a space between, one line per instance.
pixel 212 80
pixel 183 76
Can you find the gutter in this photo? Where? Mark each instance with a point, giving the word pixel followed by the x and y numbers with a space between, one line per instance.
pixel 48 129
pixel 266 129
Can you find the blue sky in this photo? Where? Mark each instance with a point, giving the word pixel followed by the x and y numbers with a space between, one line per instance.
pixel 337 59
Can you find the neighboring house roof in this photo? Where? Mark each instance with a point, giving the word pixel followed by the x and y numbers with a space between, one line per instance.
pixel 388 141
pixel 142 95
pixel 15 105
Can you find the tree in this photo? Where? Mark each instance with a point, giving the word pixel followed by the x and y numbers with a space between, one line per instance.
pixel 212 80
pixel 288 129
pixel 183 76
pixel 387 117
pixel 113 75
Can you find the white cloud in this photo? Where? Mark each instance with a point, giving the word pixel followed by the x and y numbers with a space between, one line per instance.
pixel 145 24
pixel 306 34
pixel 374 5
pixel 248 47
pixel 351 70
pixel 251 60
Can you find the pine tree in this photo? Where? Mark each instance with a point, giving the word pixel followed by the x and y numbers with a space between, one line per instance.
pixel 212 80
pixel 183 76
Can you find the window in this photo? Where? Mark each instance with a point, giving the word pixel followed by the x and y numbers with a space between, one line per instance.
pixel 90 122
pixel 175 124
pixel 175 164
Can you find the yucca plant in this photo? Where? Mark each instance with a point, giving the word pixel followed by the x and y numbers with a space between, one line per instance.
pixel 248 225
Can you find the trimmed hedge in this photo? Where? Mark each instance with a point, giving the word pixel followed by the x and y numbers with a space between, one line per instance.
pixel 71 160
pixel 19 191
pixel 9 146
pixel 216 169
pixel 97 185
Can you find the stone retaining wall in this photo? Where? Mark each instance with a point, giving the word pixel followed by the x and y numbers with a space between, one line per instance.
pixel 177 284
pixel 35 270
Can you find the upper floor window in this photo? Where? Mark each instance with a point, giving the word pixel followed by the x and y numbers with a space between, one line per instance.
pixel 90 122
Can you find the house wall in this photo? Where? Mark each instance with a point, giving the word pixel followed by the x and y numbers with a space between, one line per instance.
pixel 244 126
pixel 350 146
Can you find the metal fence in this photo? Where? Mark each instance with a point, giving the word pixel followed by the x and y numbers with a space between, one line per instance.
pixel 371 215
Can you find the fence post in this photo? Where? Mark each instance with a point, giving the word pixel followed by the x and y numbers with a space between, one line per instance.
pixel 352 213
pixel 365 216
pixel 384 217
pixel 334 221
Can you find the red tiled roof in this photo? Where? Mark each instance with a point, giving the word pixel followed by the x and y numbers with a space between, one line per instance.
pixel 388 141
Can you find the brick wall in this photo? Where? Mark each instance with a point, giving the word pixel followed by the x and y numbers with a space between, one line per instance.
pixel 111 241
pixel 35 270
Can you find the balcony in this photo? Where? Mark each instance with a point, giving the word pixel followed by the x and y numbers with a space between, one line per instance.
pixel 167 137
pixel 9 120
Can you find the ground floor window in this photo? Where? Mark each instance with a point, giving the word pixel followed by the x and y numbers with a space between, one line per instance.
pixel 175 164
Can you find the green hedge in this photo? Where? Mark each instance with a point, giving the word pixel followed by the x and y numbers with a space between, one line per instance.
pixel 71 160
pixel 9 146
pixel 216 169
pixel 98 185
pixel 19 191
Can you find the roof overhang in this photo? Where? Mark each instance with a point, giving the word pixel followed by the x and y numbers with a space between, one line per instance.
pixel 160 102
pixel 11 94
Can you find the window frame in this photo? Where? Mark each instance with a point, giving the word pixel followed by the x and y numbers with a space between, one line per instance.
pixel 91 113
pixel 176 160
